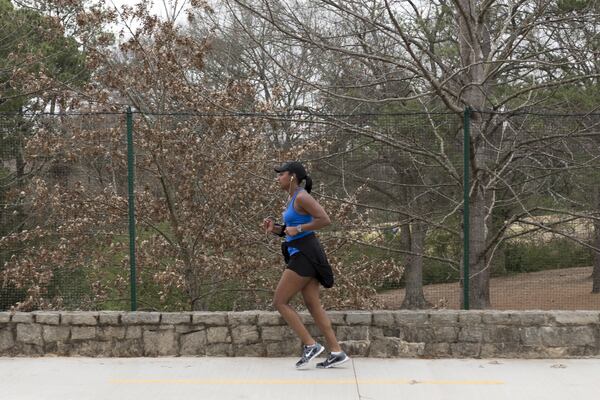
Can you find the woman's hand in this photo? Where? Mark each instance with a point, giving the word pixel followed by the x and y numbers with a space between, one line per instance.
pixel 291 231
pixel 268 225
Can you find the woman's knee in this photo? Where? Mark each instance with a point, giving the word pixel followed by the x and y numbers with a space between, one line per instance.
pixel 279 302
pixel 318 313
pixel 313 306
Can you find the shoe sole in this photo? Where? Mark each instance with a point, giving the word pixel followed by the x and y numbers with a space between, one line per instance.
pixel 312 358
pixel 335 364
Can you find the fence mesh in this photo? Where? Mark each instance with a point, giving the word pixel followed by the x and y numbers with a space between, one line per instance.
pixel 545 206
pixel 393 184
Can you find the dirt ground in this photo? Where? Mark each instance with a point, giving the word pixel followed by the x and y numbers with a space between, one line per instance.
pixel 559 289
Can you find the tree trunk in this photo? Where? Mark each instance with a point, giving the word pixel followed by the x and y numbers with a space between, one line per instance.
pixel 479 282
pixel 414 241
pixel 199 302
pixel 596 271
pixel 193 280
pixel 474 44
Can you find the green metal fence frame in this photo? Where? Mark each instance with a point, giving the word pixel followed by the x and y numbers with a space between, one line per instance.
pixel 131 207
pixel 466 191
pixel 468 115
pixel 132 221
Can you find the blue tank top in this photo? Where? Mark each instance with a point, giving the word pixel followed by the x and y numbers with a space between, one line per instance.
pixel 291 217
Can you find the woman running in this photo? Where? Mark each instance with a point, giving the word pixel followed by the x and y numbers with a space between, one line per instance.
pixel 307 264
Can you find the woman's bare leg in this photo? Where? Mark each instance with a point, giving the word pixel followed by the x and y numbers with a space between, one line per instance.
pixel 310 293
pixel 290 284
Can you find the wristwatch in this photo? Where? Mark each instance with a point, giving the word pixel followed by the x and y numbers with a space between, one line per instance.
pixel 299 227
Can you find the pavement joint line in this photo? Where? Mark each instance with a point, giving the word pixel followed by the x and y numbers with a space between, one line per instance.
pixel 355 381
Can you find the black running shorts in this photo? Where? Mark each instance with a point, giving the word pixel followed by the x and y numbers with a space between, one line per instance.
pixel 301 265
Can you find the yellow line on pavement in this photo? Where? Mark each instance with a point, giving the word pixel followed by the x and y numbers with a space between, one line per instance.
pixel 299 382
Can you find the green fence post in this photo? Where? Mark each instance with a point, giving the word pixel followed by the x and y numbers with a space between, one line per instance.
pixel 131 198
pixel 466 190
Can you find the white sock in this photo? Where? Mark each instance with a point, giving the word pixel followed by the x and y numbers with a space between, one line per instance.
pixel 336 353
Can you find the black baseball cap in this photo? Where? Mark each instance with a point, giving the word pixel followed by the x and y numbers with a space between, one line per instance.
pixel 294 167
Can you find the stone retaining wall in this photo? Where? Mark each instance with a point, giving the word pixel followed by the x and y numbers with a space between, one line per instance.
pixel 430 334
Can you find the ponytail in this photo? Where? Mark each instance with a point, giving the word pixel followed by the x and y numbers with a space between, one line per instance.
pixel 308 184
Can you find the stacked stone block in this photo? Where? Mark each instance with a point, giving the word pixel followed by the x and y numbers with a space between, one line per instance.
pixel 457 334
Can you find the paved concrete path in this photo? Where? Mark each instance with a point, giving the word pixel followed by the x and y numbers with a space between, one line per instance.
pixel 275 378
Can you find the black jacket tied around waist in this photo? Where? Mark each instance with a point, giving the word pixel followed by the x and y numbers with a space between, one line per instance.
pixel 311 248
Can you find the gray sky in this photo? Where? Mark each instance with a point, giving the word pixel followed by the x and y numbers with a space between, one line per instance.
pixel 158 6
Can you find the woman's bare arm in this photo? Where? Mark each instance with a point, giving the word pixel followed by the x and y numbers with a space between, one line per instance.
pixel 306 204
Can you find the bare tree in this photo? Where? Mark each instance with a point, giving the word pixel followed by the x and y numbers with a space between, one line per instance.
pixel 496 57
pixel 245 48
pixel 204 184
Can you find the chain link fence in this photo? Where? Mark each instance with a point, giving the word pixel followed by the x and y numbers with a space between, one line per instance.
pixel 393 183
